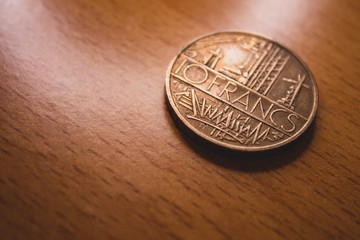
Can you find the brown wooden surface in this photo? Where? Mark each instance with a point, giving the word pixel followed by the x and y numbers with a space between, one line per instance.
pixel 89 151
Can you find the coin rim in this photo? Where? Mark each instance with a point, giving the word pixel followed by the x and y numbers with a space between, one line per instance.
pixel 226 145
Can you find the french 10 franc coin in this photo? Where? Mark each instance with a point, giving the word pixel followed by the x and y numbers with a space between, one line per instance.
pixel 241 91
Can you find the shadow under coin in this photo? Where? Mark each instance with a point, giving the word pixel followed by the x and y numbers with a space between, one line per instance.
pixel 241 160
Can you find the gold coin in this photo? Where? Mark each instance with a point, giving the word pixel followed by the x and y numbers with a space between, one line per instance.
pixel 241 91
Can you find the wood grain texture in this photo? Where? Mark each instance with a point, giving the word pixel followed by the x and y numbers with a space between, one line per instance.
pixel 89 151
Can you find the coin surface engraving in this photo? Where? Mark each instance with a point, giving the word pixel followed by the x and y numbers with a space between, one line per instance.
pixel 241 91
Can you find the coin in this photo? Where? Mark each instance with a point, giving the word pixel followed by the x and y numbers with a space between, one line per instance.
pixel 241 91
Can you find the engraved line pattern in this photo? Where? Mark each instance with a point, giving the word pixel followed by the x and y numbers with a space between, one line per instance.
pixel 214 126
pixel 230 104
pixel 255 80
pixel 293 91
pixel 246 87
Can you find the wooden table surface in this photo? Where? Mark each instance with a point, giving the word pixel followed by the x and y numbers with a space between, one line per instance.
pixel 88 149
